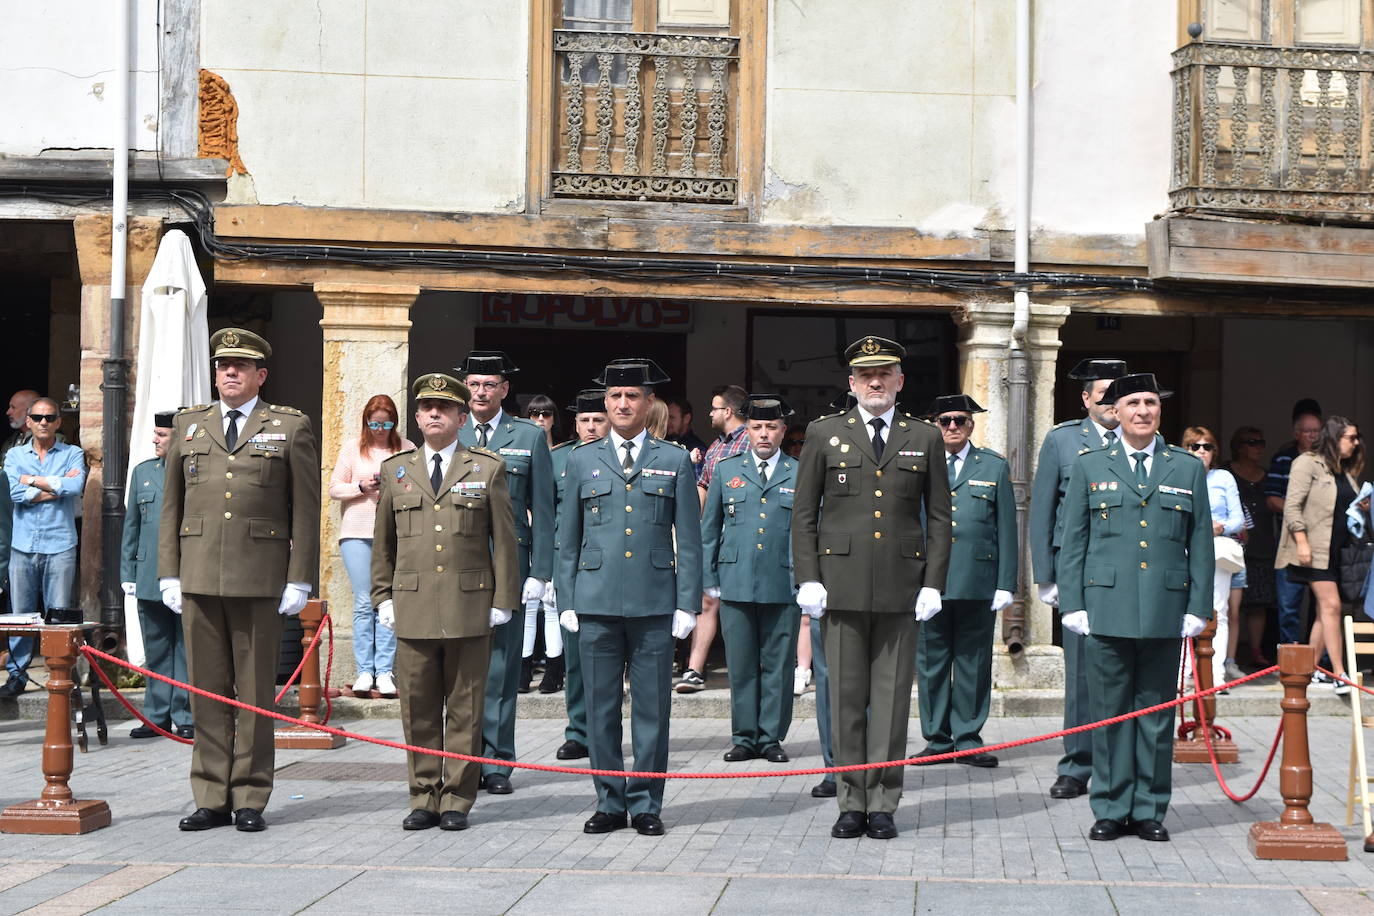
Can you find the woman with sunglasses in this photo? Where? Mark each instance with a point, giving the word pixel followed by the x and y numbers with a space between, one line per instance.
pixel 1322 484
pixel 1228 520
pixel 356 484
pixel 543 411
pixel 1261 543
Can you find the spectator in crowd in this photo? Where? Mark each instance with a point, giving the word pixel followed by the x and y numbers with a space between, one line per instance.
pixel 18 413
pixel 1261 543
pixel 356 484
pixel 1228 520
pixel 164 644
pixel 658 419
pixel 1307 426
pixel 680 428
pixel 46 478
pixel 727 418
pixel 1322 483
pixel 543 411
pixel 795 439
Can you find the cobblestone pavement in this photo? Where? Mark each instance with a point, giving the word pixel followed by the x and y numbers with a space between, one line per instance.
pixel 970 838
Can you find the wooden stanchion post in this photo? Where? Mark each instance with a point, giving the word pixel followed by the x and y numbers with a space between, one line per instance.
pixel 56 810
pixel 1295 835
pixel 1194 749
pixel 309 690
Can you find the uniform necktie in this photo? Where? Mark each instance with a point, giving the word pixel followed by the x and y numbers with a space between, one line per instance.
pixel 1109 437
pixel 763 473
pixel 231 435
pixel 629 462
pixel 482 432
pixel 1141 475
pixel 436 478
pixel 952 473
pixel 877 424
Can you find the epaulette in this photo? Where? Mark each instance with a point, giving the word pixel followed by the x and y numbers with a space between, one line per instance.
pixel 578 445
pixel 994 453
pixel 525 421
pixel 671 442
pixel 290 411
pixel 1068 423
pixel 195 409
pixel 478 450
pixel 563 445
pixel 401 454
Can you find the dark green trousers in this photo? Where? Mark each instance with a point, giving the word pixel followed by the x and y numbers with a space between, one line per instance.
pixel 503 683
pixel 761 655
pixel 954 671
pixel 608 646
pixel 1078 749
pixel 574 694
pixel 165 648
pixel 1133 760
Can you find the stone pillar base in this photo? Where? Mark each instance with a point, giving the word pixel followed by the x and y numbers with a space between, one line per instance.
pixel 1297 842
pixel 1038 667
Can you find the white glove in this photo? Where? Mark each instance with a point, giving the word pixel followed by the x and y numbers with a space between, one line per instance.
pixel 386 614
pixel 684 622
pixel 171 593
pixel 1001 599
pixel 533 590
pixel 293 599
pixel 550 599
pixel 1192 626
pixel 568 621
pixel 499 616
pixel 128 587
pixel 811 599
pixel 711 591
pixel 1077 622
pixel 927 603
pixel 1049 594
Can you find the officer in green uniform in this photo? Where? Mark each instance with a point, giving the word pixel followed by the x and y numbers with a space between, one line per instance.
pixel 591 424
pixel 163 643
pixel 954 651
pixel 1135 575
pixel 239 544
pixel 524 448
pixel 871 561
pixel 445 575
pixel 623 590
pixel 746 531
pixel 1062 445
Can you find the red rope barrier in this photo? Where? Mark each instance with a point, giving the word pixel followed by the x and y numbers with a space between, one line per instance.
pixel 1206 729
pixel 1345 680
pixel 92 652
pixel 306 655
pixel 110 685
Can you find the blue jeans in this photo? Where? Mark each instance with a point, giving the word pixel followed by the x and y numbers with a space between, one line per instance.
pixel 1289 594
pixel 374 647
pixel 38 581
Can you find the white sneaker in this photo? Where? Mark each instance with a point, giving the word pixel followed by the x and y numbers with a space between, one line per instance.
pixel 1233 672
pixel 801 677
pixel 386 685
pixel 363 685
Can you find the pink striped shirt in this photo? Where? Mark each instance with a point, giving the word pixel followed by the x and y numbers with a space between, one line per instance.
pixel 358 511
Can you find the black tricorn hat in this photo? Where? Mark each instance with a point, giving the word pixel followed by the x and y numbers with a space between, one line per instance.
pixel 486 362
pixel 589 400
pixel 163 419
pixel 844 400
pixel 1133 384
pixel 947 402
pixel 1090 370
pixel 633 372
pixel 767 407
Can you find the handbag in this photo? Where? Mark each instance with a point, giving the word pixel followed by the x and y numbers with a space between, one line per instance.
pixel 1229 555
pixel 1356 558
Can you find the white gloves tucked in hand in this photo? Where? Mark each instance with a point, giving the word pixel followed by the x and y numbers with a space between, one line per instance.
pixel 811 599
pixel 386 614
pixel 171 593
pixel 1077 622
pixel 550 599
pixel 1049 594
pixel 684 622
pixel 1192 626
pixel 712 591
pixel 927 603
pixel 499 616
pixel 568 620
pixel 128 587
pixel 533 590
pixel 1001 599
pixel 293 598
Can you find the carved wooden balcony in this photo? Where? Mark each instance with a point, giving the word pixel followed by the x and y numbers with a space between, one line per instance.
pixel 1273 130
pixel 645 117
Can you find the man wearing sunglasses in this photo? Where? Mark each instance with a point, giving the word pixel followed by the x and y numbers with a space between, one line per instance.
pixel 46 478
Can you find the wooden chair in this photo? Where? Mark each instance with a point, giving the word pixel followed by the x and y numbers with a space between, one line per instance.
pixel 1359 641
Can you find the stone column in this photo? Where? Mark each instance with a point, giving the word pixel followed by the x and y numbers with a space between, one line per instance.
pixel 366 352
pixel 93 238
pixel 984 332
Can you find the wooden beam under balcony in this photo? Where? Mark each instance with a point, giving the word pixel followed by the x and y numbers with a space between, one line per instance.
pixel 1269 253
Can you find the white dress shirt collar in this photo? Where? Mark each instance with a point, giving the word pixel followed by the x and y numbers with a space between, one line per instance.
pixel 1102 430
pixel 619 441
pixel 772 462
pixel 885 417
pixel 445 458
pixel 246 408
pixel 494 422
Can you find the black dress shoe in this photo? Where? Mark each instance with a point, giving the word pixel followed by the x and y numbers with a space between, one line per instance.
pixel 453 820
pixel 1068 787
pixel 147 731
pixel 929 751
pixel 601 822
pixel 774 753
pixel 880 826
pixel 1151 830
pixel 497 784
pixel 249 820
pixel 739 752
pixel 1106 829
pixel 648 824
pixel 986 761
pixel 186 731
pixel 823 789
pixel 420 819
pixel 205 819
pixel 571 750
pixel 13 687
pixel 851 825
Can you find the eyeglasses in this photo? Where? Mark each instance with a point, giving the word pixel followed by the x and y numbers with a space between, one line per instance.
pixel 385 424
pixel 43 417
pixel 1353 437
pixel 1202 447
pixel 540 413
pixel 953 421
pixel 486 386
pixel 1252 442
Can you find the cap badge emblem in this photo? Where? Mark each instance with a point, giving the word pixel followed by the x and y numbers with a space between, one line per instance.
pixel 230 339
pixel 870 347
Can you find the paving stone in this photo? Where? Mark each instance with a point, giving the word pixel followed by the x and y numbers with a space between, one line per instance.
pixel 1022 899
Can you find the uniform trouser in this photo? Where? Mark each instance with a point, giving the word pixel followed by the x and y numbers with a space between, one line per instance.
pixel 872 659
pixel 761 655
pixel 165 648
pixel 1078 749
pixel 954 671
pixel 440 682
pixel 574 692
pixel 1132 760
pixel 232 649
pixel 503 683
pixel 608 644
pixel 821 672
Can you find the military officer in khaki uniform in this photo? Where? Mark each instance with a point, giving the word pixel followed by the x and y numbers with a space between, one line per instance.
pixel 238 547
pixel 445 571
pixel 865 565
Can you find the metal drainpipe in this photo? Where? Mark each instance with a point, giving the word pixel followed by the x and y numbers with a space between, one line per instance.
pixel 1018 362
pixel 114 384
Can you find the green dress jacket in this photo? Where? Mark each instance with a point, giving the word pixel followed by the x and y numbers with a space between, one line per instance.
pixel 138 553
pixel 982 553
pixel 524 448
pixel 1061 448
pixel 746 531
